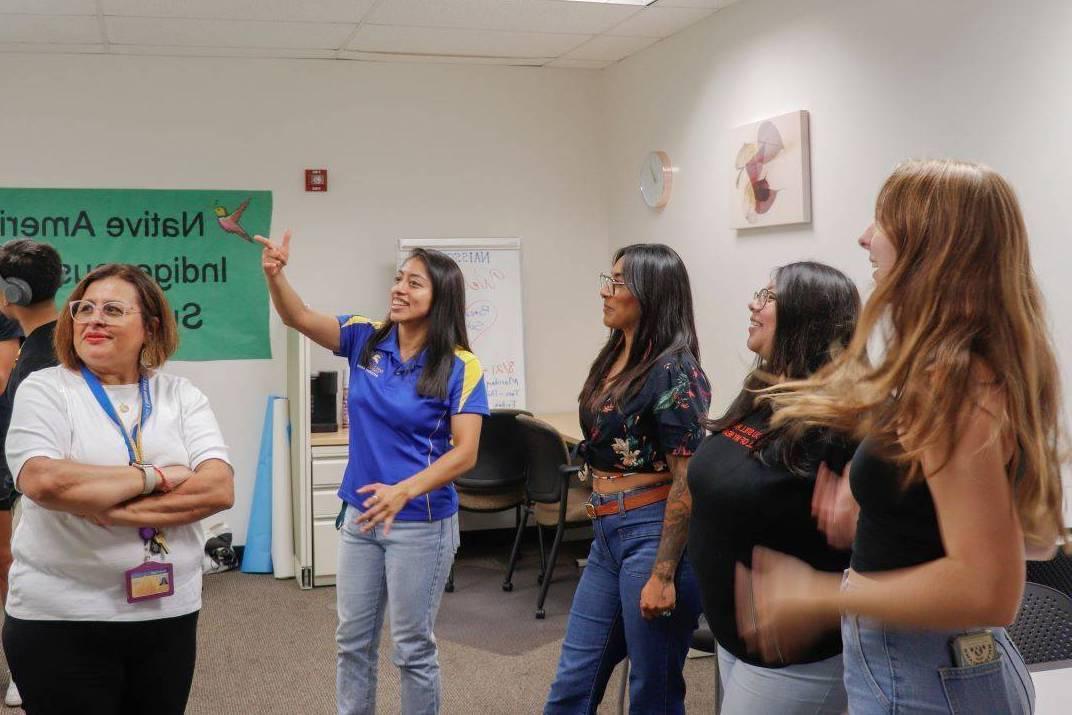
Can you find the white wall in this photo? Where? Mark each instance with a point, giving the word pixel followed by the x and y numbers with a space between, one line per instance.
pixel 414 151
pixel 883 81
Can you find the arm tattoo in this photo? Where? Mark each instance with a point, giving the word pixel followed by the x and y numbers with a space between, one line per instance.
pixel 675 522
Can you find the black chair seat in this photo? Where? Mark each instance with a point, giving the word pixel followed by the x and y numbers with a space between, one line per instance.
pixel 1043 628
pixel 703 639
pixel 490 484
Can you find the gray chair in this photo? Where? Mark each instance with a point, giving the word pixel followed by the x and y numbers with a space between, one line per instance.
pixel 548 495
pixel 1043 628
pixel 1055 573
pixel 497 482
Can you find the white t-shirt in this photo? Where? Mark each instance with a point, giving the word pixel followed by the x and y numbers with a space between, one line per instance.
pixel 67 568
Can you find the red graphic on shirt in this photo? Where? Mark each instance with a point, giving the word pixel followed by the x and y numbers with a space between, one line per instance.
pixel 743 435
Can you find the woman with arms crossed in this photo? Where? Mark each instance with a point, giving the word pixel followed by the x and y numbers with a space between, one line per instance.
pixel 118 463
pixel 640 411
pixel 416 406
pixel 959 465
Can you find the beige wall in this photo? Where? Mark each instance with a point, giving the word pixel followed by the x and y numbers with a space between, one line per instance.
pixel 414 151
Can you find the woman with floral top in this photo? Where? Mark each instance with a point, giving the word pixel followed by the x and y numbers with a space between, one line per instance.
pixel 641 409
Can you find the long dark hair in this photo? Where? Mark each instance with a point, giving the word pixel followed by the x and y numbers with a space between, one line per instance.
pixel 816 307
pixel 446 323
pixel 657 277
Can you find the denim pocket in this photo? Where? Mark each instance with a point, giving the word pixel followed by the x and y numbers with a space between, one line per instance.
pixel 981 688
pixel 856 657
pixel 640 545
pixel 641 531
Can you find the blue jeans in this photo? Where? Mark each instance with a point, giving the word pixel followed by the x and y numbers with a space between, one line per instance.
pixel 903 671
pixel 605 624
pixel 403 573
pixel 802 689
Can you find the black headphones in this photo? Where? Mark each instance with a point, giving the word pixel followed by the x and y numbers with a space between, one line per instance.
pixel 16 291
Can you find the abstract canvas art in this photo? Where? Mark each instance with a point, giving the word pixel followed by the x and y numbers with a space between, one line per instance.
pixel 772 172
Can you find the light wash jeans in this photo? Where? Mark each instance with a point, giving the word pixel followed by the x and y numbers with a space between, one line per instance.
pixel 902 671
pixel 802 689
pixel 605 624
pixel 403 573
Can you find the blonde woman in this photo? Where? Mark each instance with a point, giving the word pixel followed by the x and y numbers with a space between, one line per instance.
pixel 958 468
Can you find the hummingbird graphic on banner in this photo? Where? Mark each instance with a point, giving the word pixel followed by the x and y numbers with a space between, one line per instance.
pixel 230 223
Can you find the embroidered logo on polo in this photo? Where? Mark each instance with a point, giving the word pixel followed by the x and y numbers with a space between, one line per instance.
pixel 374 368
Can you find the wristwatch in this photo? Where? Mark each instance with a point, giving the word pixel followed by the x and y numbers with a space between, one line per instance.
pixel 149 475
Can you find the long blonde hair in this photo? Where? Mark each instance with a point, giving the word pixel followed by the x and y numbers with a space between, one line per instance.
pixel 961 291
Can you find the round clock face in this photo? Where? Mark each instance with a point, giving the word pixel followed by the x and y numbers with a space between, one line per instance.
pixel 655 179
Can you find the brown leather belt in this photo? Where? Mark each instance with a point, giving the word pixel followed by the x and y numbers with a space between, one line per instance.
pixel 651 496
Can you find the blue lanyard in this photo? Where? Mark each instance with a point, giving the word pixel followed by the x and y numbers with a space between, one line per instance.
pixel 132 440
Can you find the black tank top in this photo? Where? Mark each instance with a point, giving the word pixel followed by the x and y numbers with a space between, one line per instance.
pixel 898 526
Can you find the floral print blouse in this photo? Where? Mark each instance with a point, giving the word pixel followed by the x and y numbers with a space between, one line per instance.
pixel 662 418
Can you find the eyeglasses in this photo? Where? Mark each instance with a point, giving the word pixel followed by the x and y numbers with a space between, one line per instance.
pixel 112 312
pixel 763 296
pixel 608 283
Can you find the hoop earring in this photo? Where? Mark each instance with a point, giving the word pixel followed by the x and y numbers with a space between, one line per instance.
pixel 142 360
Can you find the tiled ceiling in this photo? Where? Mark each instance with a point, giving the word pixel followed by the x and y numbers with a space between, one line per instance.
pixel 540 33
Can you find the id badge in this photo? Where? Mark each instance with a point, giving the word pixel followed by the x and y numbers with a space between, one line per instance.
pixel 150 580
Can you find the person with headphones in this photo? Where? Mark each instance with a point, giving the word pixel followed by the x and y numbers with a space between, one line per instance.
pixel 30 274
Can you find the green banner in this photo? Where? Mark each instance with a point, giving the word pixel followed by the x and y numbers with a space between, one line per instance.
pixel 195 244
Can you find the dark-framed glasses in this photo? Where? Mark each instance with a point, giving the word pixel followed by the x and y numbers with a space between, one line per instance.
pixel 608 283
pixel 763 296
pixel 111 312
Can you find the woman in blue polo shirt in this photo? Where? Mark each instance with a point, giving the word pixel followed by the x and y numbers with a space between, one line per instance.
pixel 416 405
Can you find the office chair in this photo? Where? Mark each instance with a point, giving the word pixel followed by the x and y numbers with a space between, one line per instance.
pixel 497 482
pixel 1043 628
pixel 548 495
pixel 1055 573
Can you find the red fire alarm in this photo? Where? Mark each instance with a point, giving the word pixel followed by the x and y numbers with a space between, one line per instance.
pixel 316 179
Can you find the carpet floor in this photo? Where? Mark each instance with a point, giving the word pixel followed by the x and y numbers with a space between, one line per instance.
pixel 264 646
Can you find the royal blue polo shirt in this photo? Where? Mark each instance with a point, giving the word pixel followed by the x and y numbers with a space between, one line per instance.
pixel 395 432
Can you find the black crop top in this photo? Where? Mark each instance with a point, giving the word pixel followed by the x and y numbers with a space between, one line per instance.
pixel 898 526
pixel 662 418
pixel 738 503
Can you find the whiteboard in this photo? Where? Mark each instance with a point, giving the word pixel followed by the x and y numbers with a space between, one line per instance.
pixel 492 270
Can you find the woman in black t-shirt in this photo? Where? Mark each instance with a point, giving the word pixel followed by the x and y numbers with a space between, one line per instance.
pixel 752 486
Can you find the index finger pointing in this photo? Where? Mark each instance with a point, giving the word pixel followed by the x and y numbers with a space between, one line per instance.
pixel 263 241
pixel 286 238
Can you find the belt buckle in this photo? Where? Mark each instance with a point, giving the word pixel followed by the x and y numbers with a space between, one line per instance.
pixel 590 510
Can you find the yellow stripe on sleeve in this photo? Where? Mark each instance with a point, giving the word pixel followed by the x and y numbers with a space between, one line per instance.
pixel 361 320
pixel 470 376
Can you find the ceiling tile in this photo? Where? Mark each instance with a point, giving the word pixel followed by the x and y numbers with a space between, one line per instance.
pixel 275 10
pixel 660 21
pixel 271 52
pixel 562 63
pixel 49 7
pixel 444 59
pixel 510 15
pixel 610 49
pixel 50 29
pixel 713 4
pixel 226 33
pixel 448 41
pixel 44 48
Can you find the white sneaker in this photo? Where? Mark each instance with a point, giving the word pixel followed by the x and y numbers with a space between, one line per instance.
pixel 12 697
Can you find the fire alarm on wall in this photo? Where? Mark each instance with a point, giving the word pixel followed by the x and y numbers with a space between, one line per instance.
pixel 316 179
